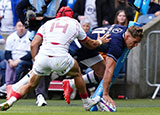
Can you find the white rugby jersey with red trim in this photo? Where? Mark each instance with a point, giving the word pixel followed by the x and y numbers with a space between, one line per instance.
pixel 58 34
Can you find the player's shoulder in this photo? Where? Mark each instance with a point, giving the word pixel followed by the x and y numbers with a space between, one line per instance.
pixel 114 29
pixel 118 29
pixel 109 28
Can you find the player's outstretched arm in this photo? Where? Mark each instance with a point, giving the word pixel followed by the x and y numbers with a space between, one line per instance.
pixel 107 78
pixel 91 44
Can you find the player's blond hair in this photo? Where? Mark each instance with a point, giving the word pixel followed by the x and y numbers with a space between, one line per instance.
pixel 136 32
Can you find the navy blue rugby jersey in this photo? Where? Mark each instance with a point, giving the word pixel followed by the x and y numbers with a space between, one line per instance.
pixel 116 45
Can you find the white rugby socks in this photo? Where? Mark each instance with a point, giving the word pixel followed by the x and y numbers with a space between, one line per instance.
pixel 90 78
pixel 21 82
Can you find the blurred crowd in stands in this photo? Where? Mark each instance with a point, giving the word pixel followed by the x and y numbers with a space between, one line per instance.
pixel 20 19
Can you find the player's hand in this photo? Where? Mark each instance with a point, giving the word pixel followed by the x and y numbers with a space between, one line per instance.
pixel 108 99
pixel 104 39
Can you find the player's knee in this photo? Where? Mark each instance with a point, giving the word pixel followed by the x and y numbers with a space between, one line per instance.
pixel 99 71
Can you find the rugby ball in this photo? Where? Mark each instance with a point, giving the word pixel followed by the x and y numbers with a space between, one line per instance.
pixel 104 106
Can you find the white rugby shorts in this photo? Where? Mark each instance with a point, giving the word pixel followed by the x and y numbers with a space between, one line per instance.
pixel 44 64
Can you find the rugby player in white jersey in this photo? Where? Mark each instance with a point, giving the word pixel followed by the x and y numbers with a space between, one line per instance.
pixel 55 37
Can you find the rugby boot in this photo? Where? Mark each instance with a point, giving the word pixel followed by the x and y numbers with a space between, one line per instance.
pixel 4 106
pixel 88 103
pixel 67 90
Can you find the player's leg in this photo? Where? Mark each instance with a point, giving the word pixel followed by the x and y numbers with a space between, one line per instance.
pixel 99 69
pixel 93 77
pixel 81 87
pixel 22 67
pixel 15 86
pixel 40 89
pixel 75 71
pixel 33 82
pixel 24 89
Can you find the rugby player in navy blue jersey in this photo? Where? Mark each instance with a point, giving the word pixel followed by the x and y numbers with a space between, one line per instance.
pixel 122 37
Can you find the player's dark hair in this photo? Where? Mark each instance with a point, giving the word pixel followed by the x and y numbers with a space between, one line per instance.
pixel 136 32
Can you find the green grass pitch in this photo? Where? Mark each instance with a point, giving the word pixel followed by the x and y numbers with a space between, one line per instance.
pixel 60 107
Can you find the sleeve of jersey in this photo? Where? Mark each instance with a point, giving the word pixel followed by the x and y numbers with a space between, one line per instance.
pixel 82 34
